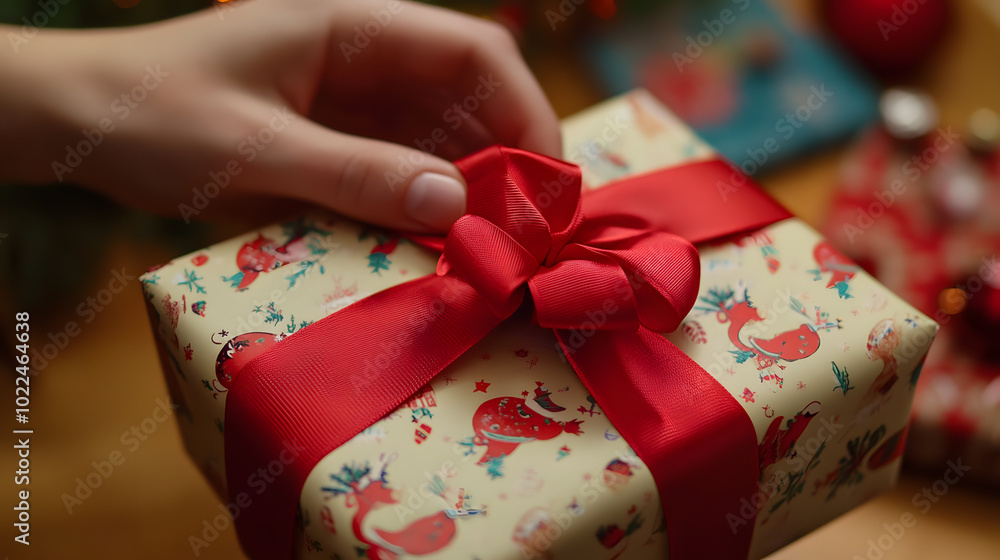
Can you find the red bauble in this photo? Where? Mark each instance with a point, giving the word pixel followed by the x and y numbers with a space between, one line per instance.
pixel 890 37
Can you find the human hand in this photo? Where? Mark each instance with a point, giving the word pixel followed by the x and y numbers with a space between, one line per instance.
pixel 315 100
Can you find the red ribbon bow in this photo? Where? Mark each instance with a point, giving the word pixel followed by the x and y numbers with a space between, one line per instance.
pixel 519 234
pixel 606 271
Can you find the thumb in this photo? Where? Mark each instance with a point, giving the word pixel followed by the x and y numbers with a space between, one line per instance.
pixel 373 181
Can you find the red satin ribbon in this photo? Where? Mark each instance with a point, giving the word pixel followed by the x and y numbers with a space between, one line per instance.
pixel 626 247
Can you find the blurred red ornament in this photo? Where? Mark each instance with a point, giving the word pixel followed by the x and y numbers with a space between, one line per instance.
pixel 890 37
pixel 979 317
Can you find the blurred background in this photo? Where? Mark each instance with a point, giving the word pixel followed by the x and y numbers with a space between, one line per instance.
pixel 886 112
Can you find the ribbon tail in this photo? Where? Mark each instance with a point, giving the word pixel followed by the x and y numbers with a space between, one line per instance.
pixel 288 409
pixel 684 425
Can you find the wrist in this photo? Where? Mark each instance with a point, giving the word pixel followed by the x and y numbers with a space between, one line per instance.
pixel 51 91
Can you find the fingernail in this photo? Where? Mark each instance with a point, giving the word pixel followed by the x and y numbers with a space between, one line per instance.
pixel 435 200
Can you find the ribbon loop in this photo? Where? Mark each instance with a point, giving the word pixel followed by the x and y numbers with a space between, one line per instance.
pixel 585 295
pixel 490 260
pixel 614 274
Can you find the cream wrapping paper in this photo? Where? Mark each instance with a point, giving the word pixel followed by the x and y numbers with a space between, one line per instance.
pixel 504 454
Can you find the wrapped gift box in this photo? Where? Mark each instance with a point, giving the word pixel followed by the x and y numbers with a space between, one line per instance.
pixel 504 454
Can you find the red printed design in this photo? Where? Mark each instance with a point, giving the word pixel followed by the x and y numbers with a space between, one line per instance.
pixel 239 350
pixel 842 269
pixel 504 423
pixel 779 440
pixel 734 307
pixel 367 489
pixel 264 254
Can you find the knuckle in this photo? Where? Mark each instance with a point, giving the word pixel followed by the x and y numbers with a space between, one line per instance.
pixel 351 179
pixel 494 35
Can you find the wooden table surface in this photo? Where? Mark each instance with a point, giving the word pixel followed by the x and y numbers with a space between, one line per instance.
pixel 107 380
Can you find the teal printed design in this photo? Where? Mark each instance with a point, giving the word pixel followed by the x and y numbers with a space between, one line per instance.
pixel 191 281
pixel 843 379
pixel 797 480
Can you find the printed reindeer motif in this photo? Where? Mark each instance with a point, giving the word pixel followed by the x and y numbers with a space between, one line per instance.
pixel 734 307
pixel 367 489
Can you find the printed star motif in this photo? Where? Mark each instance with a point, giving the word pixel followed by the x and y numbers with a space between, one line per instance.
pixel 845 346
pixel 731 371
pixel 802 385
pixel 587 476
pixel 190 279
pixel 449 380
pixel 855 312
pixel 403 271
pixel 522 353
pixel 525 394
pixel 748 395
pixel 481 386
pixel 188 352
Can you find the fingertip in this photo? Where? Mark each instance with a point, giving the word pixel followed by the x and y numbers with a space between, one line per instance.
pixel 435 200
